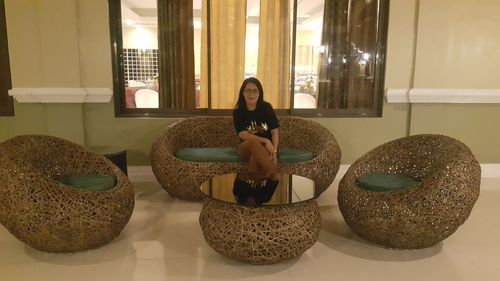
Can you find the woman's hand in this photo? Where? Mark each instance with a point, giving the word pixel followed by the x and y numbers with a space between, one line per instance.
pixel 274 158
pixel 270 147
pixel 273 152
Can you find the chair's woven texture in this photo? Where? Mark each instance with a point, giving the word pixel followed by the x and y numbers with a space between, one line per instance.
pixel 182 179
pixel 262 235
pixel 420 216
pixel 49 216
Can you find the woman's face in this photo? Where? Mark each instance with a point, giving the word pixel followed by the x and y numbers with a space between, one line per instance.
pixel 251 95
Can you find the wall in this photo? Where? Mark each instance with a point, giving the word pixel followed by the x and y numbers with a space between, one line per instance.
pixel 44 52
pixel 431 44
pixel 140 37
pixel 457 47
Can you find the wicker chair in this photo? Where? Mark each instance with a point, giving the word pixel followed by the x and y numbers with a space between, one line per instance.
pixel 182 179
pixel 48 215
pixel 419 216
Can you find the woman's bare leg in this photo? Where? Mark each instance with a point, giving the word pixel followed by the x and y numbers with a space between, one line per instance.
pixel 253 165
pixel 257 156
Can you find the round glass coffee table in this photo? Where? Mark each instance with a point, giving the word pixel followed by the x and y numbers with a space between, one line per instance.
pixel 260 220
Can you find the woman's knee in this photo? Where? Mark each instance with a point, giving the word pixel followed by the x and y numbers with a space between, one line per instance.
pixel 253 142
pixel 256 145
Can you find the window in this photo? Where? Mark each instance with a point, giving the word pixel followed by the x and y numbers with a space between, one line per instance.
pixel 6 103
pixel 314 58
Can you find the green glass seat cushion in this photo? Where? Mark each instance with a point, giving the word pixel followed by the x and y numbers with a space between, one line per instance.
pixel 383 182
pixel 211 154
pixel 290 155
pixel 229 155
pixel 90 182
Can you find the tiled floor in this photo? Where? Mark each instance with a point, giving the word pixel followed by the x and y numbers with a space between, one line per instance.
pixel 163 241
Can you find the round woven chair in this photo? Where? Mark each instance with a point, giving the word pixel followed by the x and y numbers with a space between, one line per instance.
pixel 182 179
pixel 420 216
pixel 48 215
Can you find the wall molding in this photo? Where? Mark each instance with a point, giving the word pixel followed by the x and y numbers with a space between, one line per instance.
pixel 490 170
pixel 61 95
pixel 421 95
pixel 397 96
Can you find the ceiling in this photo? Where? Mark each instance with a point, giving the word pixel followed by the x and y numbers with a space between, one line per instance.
pixel 143 12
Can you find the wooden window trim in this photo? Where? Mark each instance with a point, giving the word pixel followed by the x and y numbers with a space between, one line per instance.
pixel 119 83
pixel 6 102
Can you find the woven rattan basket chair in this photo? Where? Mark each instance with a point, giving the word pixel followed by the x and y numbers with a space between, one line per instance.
pixel 424 214
pixel 182 179
pixel 48 215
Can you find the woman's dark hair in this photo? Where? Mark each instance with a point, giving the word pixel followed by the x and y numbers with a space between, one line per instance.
pixel 241 104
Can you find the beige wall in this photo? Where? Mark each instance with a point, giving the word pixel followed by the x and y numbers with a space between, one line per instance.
pixel 475 125
pixel 44 52
pixel 457 47
pixel 44 45
pixel 458 44
pixel 400 44
pixel 58 120
pixel 65 43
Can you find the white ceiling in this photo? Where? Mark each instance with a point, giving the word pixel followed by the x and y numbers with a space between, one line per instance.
pixel 309 12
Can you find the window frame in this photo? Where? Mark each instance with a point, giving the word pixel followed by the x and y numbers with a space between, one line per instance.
pixel 115 25
pixel 7 108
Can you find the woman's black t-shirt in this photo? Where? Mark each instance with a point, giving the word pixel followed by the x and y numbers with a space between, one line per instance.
pixel 259 122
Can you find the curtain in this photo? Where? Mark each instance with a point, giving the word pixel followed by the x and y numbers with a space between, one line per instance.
pixel 363 36
pixel 227 52
pixel 176 54
pixel 204 76
pixel 346 70
pixel 273 68
pixel 332 70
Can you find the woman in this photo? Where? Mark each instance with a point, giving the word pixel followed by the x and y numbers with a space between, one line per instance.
pixel 257 127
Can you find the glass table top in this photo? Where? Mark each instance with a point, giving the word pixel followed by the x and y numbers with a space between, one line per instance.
pixel 252 189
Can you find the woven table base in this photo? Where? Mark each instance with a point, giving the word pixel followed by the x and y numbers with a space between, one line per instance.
pixel 264 235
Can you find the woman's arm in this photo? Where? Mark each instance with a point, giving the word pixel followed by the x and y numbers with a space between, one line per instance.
pixel 276 139
pixel 266 142
pixel 245 135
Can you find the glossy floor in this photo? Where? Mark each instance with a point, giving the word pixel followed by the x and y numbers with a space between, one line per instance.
pixel 163 241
